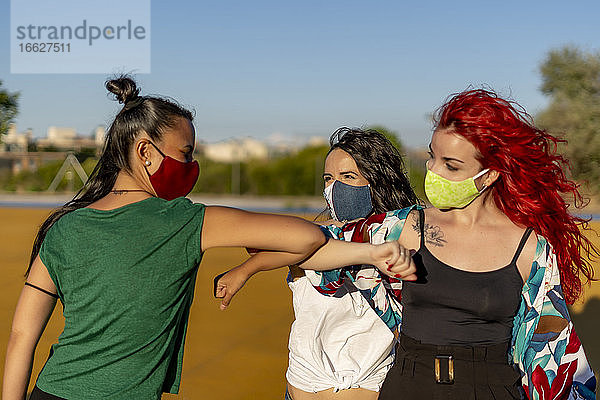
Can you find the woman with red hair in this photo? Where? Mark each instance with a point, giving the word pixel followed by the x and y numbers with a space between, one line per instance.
pixel 498 259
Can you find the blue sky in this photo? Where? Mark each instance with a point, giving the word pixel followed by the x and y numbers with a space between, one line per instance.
pixel 301 69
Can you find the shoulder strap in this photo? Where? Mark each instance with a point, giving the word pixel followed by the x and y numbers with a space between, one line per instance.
pixel 422 226
pixel 521 244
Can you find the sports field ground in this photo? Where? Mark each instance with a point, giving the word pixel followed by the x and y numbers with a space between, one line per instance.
pixel 237 354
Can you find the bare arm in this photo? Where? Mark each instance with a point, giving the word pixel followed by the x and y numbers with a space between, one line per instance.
pixel 391 258
pixel 232 281
pixel 34 308
pixel 224 226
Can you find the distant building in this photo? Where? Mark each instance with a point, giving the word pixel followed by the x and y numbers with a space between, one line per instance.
pixel 65 138
pixel 57 134
pixel 232 150
pixel 15 154
pixel 99 136
pixel 16 142
pixel 15 147
pixel 318 141
pixel 280 144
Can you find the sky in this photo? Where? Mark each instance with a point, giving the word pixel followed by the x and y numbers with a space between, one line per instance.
pixel 280 69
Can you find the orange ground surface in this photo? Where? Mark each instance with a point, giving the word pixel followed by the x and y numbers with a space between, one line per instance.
pixel 237 354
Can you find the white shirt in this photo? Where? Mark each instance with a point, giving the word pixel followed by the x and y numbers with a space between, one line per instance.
pixel 336 342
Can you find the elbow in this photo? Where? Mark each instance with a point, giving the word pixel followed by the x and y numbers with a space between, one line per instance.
pixel 316 241
pixel 307 237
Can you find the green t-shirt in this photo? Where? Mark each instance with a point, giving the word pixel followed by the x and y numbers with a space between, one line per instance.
pixel 126 280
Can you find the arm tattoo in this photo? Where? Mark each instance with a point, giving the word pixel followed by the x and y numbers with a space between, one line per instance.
pixel 433 234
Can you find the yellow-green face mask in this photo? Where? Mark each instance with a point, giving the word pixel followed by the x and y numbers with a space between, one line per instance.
pixel 443 193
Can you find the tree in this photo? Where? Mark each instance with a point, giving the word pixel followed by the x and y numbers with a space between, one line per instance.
pixel 571 78
pixel 390 135
pixel 8 109
pixel 297 174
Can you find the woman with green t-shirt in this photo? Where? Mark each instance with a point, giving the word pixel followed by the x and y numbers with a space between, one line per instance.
pixel 122 257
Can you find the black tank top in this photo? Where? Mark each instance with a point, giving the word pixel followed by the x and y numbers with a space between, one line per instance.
pixel 449 306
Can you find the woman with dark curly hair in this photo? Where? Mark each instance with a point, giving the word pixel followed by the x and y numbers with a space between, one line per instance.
pixel 498 256
pixel 333 354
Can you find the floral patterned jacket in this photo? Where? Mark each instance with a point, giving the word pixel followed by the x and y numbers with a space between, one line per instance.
pixel 544 347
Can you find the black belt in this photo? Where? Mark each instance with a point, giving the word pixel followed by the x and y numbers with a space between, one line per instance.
pixel 447 364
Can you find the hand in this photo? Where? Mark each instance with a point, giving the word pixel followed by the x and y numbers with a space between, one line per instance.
pixel 229 284
pixel 395 260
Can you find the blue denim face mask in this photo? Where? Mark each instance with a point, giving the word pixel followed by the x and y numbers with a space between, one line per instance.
pixel 347 202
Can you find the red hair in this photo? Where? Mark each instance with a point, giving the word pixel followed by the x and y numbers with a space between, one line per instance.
pixel 532 176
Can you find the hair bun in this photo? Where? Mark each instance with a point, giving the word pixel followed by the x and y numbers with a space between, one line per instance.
pixel 123 87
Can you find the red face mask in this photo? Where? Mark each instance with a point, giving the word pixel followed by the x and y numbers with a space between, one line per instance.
pixel 173 178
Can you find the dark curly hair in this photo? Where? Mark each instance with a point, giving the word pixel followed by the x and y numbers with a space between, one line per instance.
pixel 380 162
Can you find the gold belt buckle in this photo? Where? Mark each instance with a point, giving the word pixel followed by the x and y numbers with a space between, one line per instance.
pixel 438 373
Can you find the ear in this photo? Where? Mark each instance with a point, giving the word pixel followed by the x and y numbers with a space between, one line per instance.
pixel 143 151
pixel 490 177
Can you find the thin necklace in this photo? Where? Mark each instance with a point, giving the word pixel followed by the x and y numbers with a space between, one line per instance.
pixel 123 191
